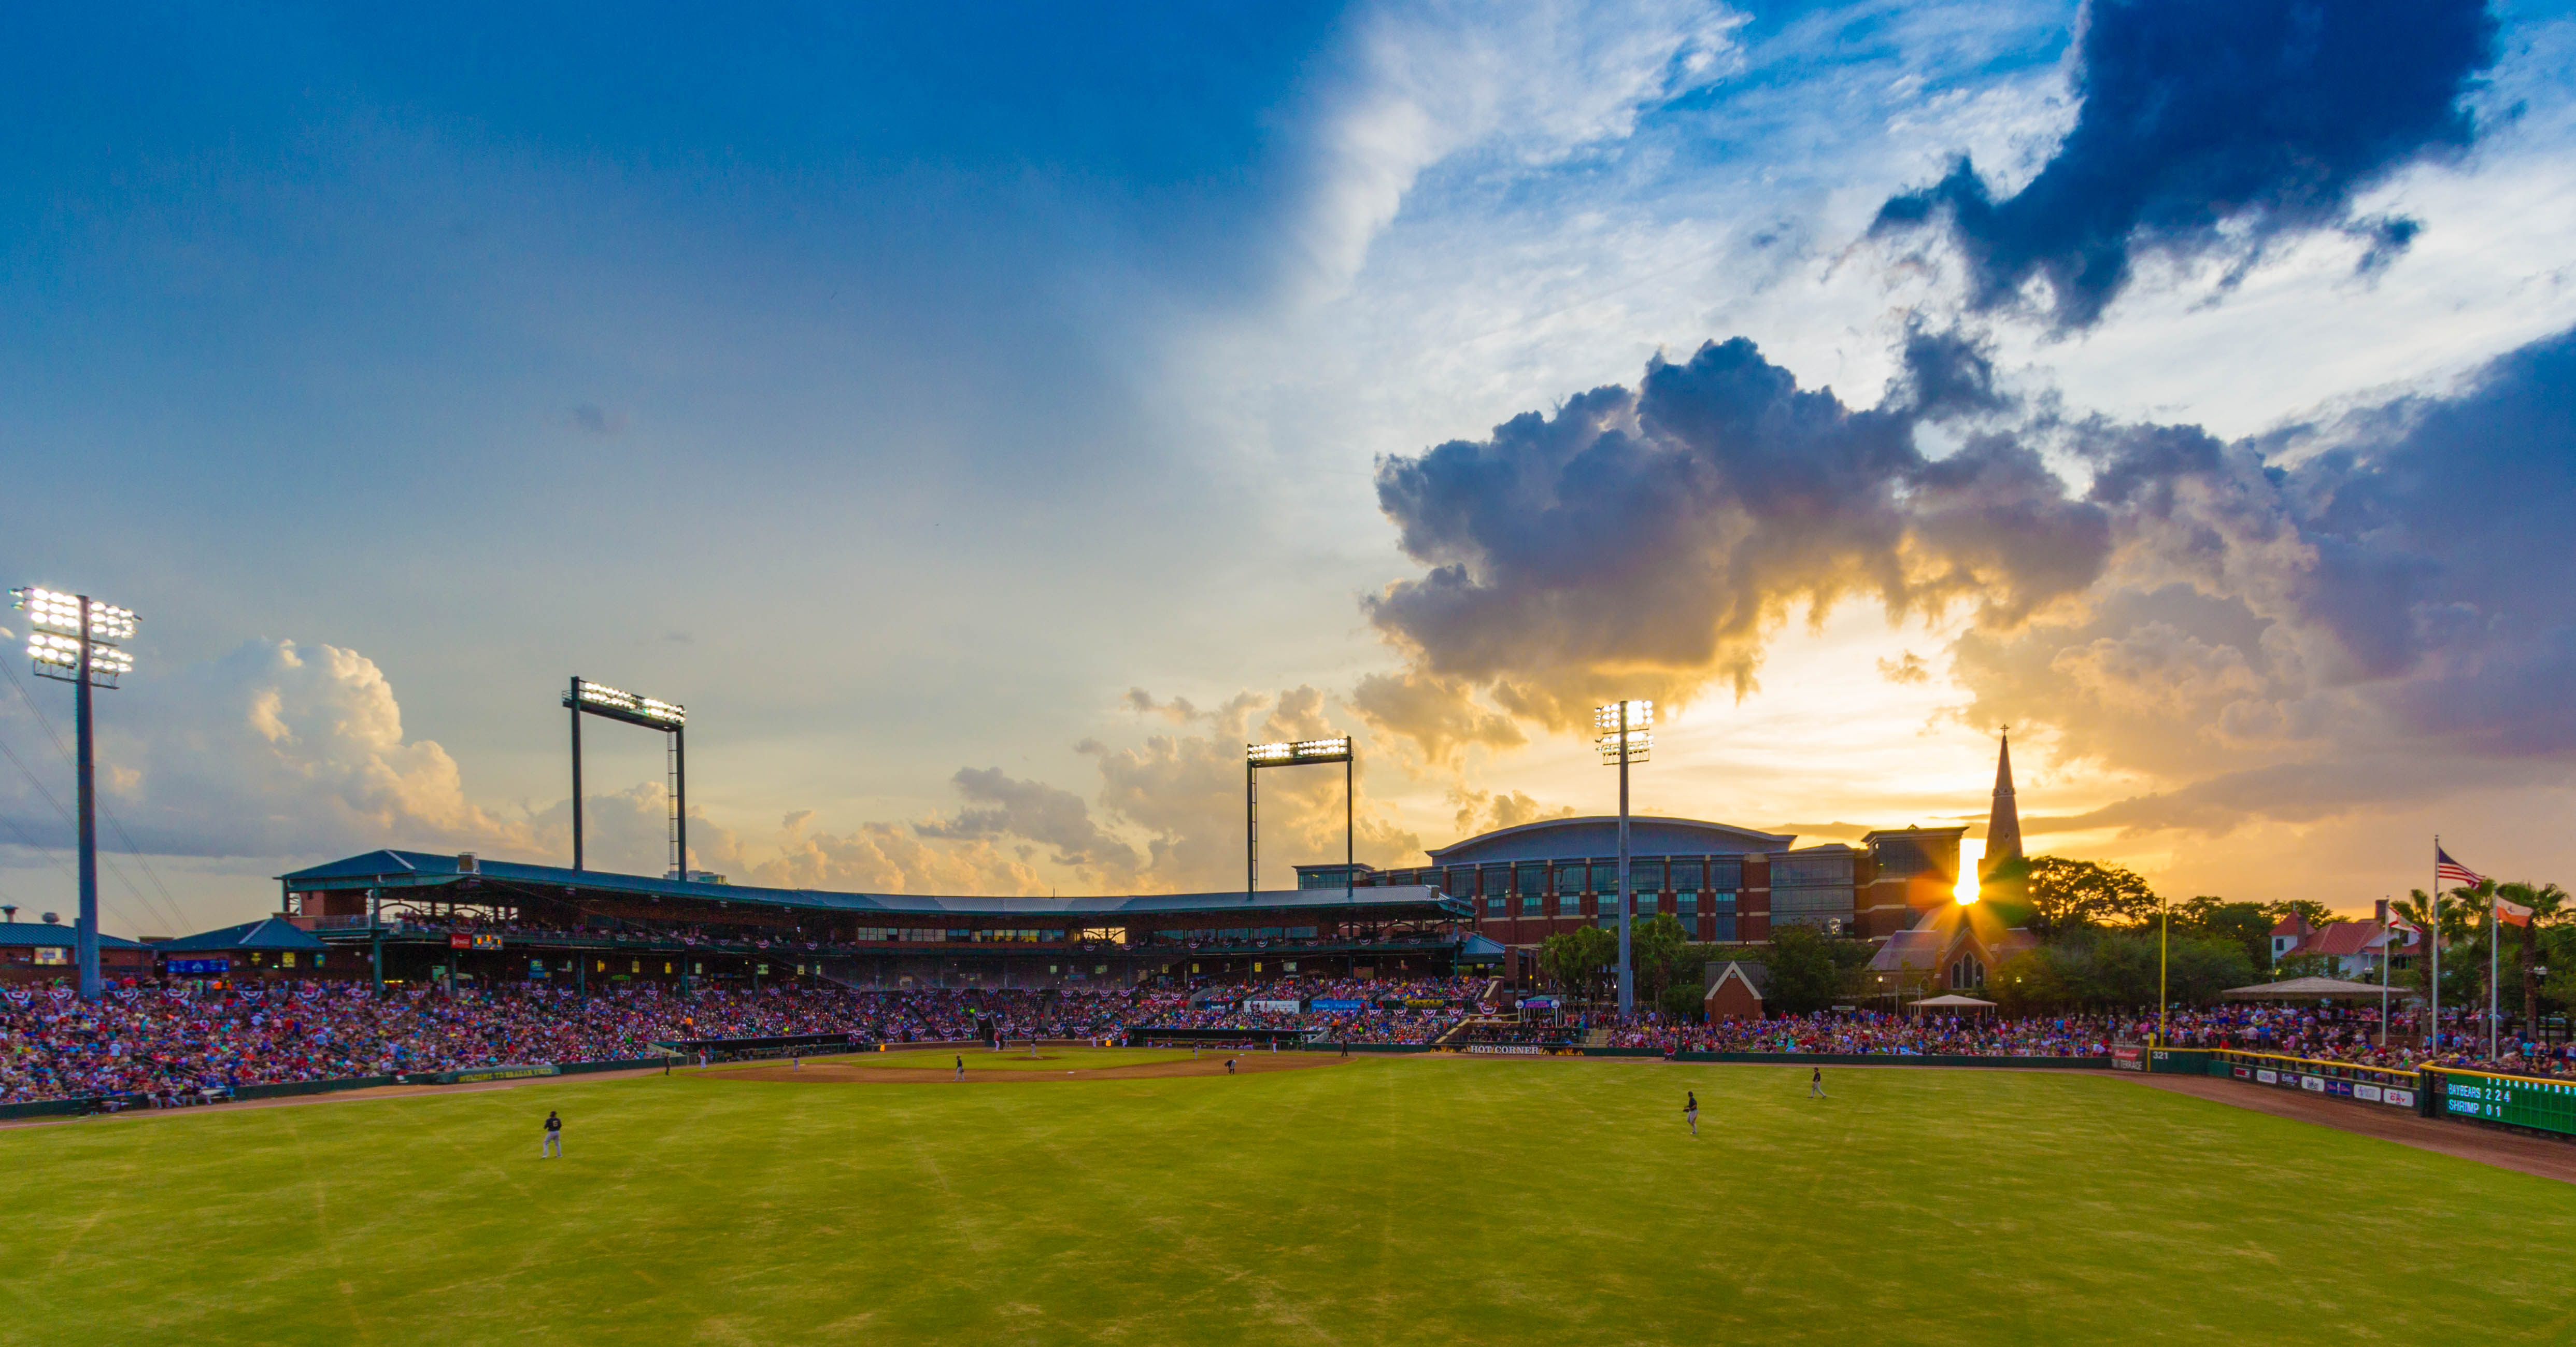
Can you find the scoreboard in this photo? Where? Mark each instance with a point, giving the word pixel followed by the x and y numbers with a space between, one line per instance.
pixel 2519 1101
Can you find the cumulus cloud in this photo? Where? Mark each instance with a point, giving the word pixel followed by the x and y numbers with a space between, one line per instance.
pixel 2248 626
pixel 1003 806
pixel 1439 716
pixel 1184 794
pixel 883 857
pixel 1645 542
pixel 2349 613
pixel 2212 127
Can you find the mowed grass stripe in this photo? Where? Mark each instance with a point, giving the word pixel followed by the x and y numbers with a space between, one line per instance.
pixel 1386 1200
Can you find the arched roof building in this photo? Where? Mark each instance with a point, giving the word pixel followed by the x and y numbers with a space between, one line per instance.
pixel 1723 882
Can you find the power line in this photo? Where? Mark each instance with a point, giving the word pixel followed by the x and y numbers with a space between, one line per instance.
pixel 170 906
pixel 48 797
pixel 47 852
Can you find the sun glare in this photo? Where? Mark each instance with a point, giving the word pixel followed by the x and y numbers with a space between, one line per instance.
pixel 1971 851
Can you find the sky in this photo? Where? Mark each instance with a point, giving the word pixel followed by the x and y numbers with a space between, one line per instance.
pixel 987 420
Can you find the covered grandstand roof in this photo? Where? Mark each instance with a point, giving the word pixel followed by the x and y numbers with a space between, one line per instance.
pixel 390 869
pixel 265 933
pixel 17 933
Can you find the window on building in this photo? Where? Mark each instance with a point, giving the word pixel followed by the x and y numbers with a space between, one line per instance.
pixel 1569 879
pixel 1726 872
pixel 1605 879
pixel 1689 874
pixel 1460 884
pixel 1722 926
pixel 1533 905
pixel 1530 879
pixel 1493 907
pixel 1646 876
pixel 1498 880
pixel 1829 868
pixel 1686 906
pixel 1966 972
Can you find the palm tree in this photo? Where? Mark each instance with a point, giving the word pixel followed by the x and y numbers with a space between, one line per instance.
pixel 2446 919
pixel 2547 902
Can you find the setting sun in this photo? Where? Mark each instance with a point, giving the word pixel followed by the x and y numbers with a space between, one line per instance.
pixel 1971 851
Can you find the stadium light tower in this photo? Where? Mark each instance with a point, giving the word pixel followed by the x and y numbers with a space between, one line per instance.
pixel 1293 754
pixel 608 703
pixel 1627 735
pixel 73 638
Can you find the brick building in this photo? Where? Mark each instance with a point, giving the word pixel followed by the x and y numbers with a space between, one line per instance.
pixel 1723 883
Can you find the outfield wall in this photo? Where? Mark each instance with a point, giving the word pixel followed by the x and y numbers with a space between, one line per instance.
pixel 1894 1059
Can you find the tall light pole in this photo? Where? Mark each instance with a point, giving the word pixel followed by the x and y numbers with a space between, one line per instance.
pixel 1295 754
pixel 1627 736
pixel 598 699
pixel 2164 945
pixel 74 640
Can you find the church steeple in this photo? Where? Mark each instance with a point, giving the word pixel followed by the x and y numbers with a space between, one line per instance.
pixel 2003 826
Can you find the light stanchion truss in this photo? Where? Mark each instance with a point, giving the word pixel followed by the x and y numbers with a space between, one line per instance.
pixel 1626 736
pixel 1293 753
pixel 73 638
pixel 585 698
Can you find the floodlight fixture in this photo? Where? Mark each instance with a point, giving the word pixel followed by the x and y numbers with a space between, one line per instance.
pixel 1294 753
pixel 1298 751
pixel 598 699
pixel 72 638
pixel 1626 732
pixel 1626 736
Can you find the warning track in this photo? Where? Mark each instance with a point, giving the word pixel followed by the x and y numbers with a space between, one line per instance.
pixel 2537 1156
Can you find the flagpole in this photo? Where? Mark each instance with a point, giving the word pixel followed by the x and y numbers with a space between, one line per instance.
pixel 2493 936
pixel 2385 930
pixel 2434 937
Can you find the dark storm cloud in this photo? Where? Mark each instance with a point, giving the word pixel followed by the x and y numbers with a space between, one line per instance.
pixel 2216 125
pixel 2279 612
pixel 1653 537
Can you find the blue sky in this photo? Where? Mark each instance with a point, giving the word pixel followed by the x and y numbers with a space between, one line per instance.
pixel 980 421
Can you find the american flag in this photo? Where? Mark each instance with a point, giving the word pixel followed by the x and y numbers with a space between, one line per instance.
pixel 2450 874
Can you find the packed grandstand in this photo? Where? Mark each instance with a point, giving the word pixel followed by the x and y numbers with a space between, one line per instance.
pixel 167 1043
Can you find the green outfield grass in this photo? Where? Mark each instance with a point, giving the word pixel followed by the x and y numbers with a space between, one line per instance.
pixel 1050 1059
pixel 1389 1200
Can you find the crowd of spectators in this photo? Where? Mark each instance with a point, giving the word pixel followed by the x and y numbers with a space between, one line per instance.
pixel 2352 1034
pixel 1378 1010
pixel 181 1041
pixel 184 1040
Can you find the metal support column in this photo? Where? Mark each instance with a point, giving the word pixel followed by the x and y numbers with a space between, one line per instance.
pixel 85 933
pixel 1627 973
pixel 573 700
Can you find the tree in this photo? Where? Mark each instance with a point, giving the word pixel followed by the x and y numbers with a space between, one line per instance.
pixel 2246 925
pixel 2445 919
pixel 2548 903
pixel 1805 975
pixel 1658 944
pixel 1579 960
pixel 2067 895
pixel 2309 909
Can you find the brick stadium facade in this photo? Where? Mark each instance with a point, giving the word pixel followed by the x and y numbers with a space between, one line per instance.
pixel 1722 882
